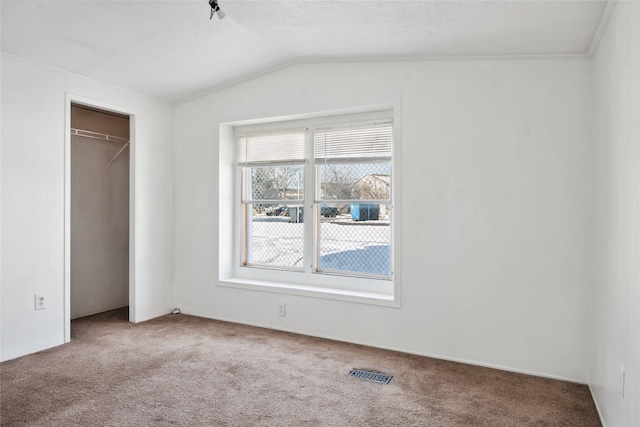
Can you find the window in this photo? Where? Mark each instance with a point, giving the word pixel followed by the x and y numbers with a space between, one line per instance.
pixel 272 188
pixel 353 171
pixel 315 205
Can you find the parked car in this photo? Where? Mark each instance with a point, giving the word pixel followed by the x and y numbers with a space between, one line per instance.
pixel 328 211
pixel 276 210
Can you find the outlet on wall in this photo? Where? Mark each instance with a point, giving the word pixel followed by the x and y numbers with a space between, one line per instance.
pixel 282 309
pixel 39 302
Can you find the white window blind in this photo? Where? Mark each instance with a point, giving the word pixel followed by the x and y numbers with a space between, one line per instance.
pixel 369 141
pixel 272 147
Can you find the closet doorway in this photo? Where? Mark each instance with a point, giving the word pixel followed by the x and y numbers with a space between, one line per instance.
pixel 99 210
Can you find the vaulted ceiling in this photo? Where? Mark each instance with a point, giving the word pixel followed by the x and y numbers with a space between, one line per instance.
pixel 172 50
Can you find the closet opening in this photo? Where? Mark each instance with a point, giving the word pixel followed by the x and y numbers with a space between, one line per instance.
pixel 99 211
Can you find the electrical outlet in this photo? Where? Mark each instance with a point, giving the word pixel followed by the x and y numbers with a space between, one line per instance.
pixel 622 381
pixel 39 302
pixel 282 309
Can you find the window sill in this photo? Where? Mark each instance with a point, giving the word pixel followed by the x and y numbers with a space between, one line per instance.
pixel 311 291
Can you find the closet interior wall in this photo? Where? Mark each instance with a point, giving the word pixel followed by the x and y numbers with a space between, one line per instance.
pixel 99 212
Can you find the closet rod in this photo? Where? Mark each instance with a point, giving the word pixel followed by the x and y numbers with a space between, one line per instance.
pixel 97 135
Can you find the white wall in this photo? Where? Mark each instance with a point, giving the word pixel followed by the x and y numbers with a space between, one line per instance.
pixel 495 168
pixel 99 226
pixel 33 204
pixel 614 295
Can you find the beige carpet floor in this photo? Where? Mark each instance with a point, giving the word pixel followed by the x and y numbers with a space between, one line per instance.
pixel 181 370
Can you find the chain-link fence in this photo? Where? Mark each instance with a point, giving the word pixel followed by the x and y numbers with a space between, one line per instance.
pixel 355 181
pixel 276 182
pixel 276 236
pixel 353 221
pixel 357 240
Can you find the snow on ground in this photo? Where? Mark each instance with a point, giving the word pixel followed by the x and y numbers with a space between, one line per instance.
pixel 346 245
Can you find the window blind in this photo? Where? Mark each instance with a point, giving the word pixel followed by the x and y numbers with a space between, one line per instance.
pixel 372 140
pixel 272 147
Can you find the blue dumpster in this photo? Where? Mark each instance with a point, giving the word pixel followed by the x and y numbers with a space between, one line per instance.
pixel 365 212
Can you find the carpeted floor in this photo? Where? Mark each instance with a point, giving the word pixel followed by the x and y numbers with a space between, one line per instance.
pixel 180 370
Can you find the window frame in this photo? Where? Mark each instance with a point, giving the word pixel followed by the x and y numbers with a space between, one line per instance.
pixel 246 209
pixel 325 284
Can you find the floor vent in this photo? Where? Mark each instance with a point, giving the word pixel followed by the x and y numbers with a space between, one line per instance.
pixel 370 376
